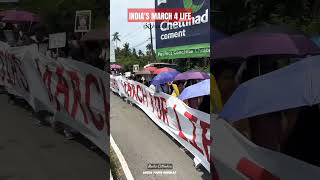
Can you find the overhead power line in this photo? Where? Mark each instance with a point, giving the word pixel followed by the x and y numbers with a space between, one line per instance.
pixel 141 43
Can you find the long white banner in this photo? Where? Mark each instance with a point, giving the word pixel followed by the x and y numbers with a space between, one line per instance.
pixel 237 158
pixel 74 92
pixel 188 126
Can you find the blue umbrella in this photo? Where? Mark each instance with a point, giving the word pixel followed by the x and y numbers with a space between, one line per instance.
pixel 200 89
pixel 293 86
pixel 164 77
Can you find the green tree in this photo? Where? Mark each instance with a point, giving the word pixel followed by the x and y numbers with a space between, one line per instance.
pixel 126 49
pixel 128 57
pixel 116 38
pixel 236 16
pixel 140 53
pixel 59 15
pixel 149 50
pixel 134 52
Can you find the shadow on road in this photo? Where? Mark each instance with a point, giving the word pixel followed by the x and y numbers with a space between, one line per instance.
pixel 205 174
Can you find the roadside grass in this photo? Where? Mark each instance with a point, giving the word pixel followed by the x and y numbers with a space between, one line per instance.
pixel 115 165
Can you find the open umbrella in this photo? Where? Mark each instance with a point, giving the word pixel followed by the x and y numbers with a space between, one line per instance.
pixel 20 16
pixel 143 72
pixel 192 75
pixel 165 69
pixel 152 69
pixel 115 66
pixel 164 77
pixel 261 44
pixel 293 86
pixel 200 89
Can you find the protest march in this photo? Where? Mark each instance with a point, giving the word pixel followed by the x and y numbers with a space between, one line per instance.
pixel 188 126
pixel 161 68
pixel 54 89
pixel 265 89
pixel 73 92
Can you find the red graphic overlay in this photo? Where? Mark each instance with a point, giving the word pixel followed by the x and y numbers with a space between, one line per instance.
pixel 158 15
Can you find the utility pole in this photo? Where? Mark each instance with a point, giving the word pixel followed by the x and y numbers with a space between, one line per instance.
pixel 150 27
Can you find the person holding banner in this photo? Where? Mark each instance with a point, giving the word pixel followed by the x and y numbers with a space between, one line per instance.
pixel 74 49
pixel 194 102
pixel 165 88
pixel 39 37
pixel 178 88
pixel 205 104
pixel 23 39
pixel 10 34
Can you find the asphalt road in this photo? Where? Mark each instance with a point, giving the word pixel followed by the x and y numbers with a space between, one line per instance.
pixel 29 152
pixel 142 142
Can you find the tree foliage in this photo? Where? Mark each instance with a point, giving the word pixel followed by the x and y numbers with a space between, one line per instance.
pixel 236 16
pixel 116 38
pixel 128 57
pixel 196 64
pixel 59 15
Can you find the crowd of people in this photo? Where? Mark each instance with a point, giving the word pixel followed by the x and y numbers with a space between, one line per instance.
pixel 173 88
pixel 286 131
pixel 290 128
pixel 95 53
pixel 201 103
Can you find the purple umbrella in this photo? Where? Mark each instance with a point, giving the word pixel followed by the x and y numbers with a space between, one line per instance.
pixel 200 89
pixel 260 44
pixel 20 16
pixel 191 75
pixel 164 77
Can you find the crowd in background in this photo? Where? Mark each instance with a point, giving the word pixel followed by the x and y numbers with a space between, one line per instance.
pixel 95 53
pixel 174 89
pixel 290 128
